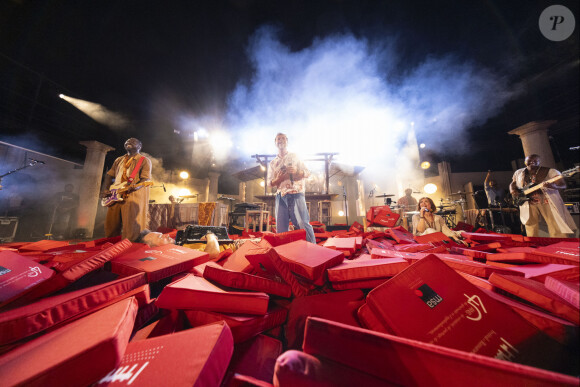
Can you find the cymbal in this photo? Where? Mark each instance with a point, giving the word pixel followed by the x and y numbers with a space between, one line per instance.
pixel 459 193
pixel 188 196
pixel 384 196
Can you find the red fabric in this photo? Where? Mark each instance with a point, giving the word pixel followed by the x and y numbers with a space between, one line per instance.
pixel 369 320
pixel 166 324
pixel 43 245
pixel 430 292
pixel 243 327
pixel 238 280
pixel 386 218
pixel 400 361
pixel 238 262
pixel 192 292
pixel 541 241
pixel 364 268
pixel 18 274
pixel 553 326
pixel 481 283
pixel 536 293
pixel 342 244
pixel 77 354
pixel 309 260
pixel 400 235
pixel 255 358
pixel 413 248
pixel 539 271
pixel 568 290
pixel 528 256
pixel 336 306
pixel 267 262
pixel 285 237
pixel 359 284
pixel 158 262
pixel 30 319
pixel 485 238
pixel 194 357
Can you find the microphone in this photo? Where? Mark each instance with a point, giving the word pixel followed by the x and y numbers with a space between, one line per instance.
pixel 427 210
pixel 36 161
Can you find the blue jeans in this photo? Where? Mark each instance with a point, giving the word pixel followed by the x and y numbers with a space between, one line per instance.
pixel 293 207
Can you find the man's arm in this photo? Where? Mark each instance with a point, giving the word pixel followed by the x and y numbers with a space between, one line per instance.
pixel 486 182
pixel 106 185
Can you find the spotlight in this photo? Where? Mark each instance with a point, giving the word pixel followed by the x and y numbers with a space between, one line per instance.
pixel 263 168
pixel 422 146
pixel 61 96
pixel 430 188
pixel 425 164
pixel 262 184
pixel 184 175
pixel 341 213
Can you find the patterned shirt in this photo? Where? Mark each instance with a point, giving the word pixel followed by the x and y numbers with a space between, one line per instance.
pixel 287 186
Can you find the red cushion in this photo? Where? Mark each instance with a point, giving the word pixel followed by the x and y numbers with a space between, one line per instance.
pixel 239 280
pixel 45 313
pixel 158 262
pixel 532 257
pixel 364 268
pixel 284 237
pixel 431 293
pixel 400 361
pixel 18 274
pixel 243 327
pixel 255 358
pixel 359 284
pixel 192 292
pixel 194 357
pixel 79 353
pixel 342 244
pixel 568 290
pixel 309 260
pixel 536 293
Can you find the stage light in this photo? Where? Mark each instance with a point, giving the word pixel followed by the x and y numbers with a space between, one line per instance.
pixel 425 164
pixel 262 184
pixel 61 96
pixel 263 168
pixel 430 188
pixel 422 146
pixel 184 175
pixel 341 213
pixel 183 192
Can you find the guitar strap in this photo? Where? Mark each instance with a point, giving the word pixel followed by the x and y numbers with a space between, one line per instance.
pixel 135 170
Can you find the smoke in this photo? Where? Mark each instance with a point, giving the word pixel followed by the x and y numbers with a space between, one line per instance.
pixel 98 113
pixel 343 95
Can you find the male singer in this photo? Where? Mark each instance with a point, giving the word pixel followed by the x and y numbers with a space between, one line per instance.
pixel 287 172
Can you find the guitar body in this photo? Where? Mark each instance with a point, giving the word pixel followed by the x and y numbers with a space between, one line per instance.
pixel 119 192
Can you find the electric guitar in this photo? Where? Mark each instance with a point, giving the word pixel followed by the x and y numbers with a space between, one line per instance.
pixel 528 189
pixel 119 192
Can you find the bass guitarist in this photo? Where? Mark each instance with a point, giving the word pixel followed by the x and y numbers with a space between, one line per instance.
pixel 128 217
pixel 544 200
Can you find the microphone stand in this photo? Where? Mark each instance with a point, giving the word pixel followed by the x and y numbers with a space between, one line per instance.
pixel 345 204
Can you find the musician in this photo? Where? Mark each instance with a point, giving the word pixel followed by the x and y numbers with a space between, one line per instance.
pixel 545 201
pixel 288 173
pixel 427 222
pixel 495 195
pixel 128 217
pixel 407 202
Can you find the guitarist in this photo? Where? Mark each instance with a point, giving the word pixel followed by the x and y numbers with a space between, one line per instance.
pixel 128 217
pixel 545 201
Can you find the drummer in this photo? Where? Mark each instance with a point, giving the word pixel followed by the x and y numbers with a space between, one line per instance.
pixel 427 222
pixel 407 202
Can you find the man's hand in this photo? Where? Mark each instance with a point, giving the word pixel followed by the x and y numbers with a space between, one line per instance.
pixel 105 193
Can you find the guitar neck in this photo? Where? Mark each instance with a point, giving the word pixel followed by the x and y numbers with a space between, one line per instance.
pixel 567 173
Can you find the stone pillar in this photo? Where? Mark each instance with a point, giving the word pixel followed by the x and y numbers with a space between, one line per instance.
pixel 91 184
pixel 213 186
pixel 242 191
pixel 445 177
pixel 534 136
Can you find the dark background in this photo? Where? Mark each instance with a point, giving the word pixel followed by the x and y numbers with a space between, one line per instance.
pixel 149 60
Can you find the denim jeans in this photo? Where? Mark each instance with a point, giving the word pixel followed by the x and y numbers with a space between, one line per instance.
pixel 293 207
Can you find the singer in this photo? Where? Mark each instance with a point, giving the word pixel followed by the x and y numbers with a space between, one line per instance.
pixel 427 222
pixel 287 173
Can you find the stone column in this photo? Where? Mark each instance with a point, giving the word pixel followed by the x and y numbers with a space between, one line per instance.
pixel 534 136
pixel 213 186
pixel 91 184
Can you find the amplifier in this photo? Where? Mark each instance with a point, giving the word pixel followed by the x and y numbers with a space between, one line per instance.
pixel 8 227
pixel 573 207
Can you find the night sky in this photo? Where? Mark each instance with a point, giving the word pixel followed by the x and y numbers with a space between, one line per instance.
pixel 463 72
